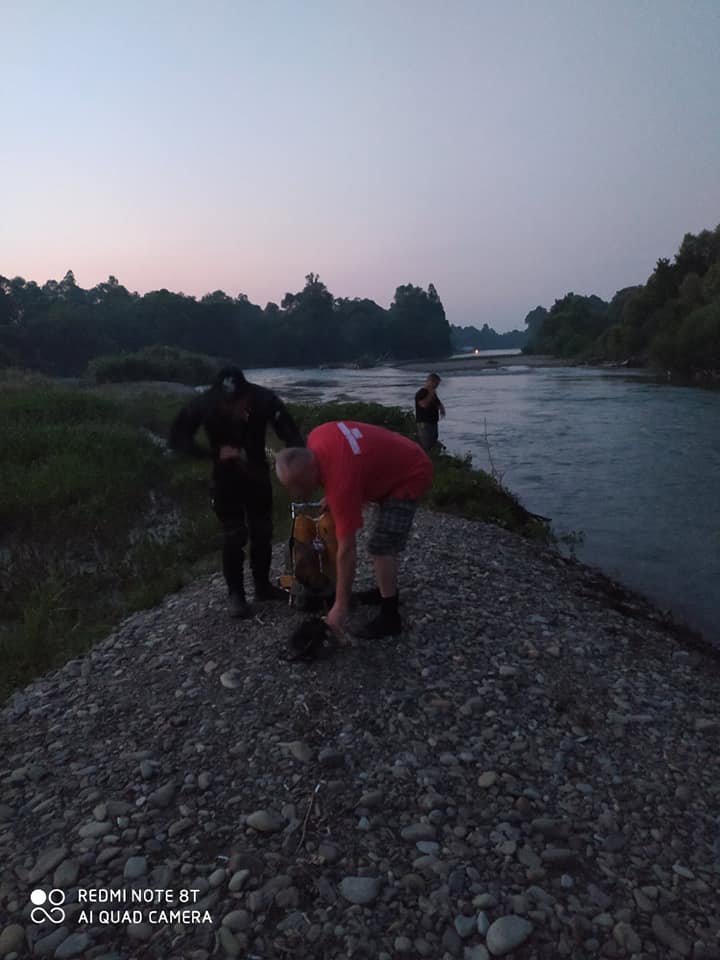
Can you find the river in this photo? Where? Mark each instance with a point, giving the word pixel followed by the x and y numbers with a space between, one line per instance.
pixel 631 463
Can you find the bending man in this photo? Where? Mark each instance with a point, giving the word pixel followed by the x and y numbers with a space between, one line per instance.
pixel 235 415
pixel 357 463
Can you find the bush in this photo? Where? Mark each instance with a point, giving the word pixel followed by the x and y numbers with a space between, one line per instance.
pixel 155 363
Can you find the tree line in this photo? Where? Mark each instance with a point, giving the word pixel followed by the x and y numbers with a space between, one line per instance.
pixel 59 327
pixel 672 321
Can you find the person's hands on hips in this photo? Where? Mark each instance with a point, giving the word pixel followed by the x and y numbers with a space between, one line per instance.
pixel 337 620
pixel 229 453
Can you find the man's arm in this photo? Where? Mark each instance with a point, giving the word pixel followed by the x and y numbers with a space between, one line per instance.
pixel 186 425
pixel 284 425
pixel 345 574
pixel 441 408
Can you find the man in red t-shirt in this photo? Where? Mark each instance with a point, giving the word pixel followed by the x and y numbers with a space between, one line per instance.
pixel 358 463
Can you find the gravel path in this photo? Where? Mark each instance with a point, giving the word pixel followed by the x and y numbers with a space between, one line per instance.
pixel 531 771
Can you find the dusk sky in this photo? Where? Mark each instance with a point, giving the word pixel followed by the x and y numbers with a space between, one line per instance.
pixel 507 152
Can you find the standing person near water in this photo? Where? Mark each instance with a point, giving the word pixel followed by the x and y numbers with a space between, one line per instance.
pixel 235 415
pixel 428 410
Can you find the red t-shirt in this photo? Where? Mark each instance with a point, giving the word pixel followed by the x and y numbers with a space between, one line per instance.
pixel 360 463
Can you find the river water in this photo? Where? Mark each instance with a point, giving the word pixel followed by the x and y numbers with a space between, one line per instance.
pixel 631 463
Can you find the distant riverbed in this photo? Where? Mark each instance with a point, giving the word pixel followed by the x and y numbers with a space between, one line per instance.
pixel 632 463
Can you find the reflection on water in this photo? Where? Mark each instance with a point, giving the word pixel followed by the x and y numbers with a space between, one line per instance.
pixel 633 463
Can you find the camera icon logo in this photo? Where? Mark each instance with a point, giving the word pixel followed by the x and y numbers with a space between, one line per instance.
pixel 54 913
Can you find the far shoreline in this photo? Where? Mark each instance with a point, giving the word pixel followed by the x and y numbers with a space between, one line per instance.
pixel 473 362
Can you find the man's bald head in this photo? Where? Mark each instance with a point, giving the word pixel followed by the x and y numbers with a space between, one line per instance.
pixel 297 470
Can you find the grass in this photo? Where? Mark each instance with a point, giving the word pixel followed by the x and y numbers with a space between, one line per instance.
pixel 83 485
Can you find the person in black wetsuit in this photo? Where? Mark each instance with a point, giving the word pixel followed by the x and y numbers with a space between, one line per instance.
pixel 428 410
pixel 235 415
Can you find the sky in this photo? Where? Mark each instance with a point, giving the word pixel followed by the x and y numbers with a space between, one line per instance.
pixel 507 152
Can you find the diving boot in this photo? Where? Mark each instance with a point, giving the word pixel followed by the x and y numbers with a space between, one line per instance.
pixel 238 607
pixel 367 598
pixel 267 591
pixel 386 624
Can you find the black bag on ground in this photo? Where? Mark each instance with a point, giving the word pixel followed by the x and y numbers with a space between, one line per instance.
pixel 312 640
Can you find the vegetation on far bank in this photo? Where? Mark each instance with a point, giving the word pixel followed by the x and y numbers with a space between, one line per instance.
pixel 99 520
pixel 59 327
pixel 671 322
pixel 168 364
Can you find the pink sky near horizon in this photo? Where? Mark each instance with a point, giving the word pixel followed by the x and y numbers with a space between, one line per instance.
pixel 506 153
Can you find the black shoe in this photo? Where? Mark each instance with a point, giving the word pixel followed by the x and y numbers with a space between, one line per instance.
pixel 386 624
pixel 367 598
pixel 238 607
pixel 266 591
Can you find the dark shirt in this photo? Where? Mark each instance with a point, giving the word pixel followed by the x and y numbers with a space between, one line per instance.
pixel 209 411
pixel 429 414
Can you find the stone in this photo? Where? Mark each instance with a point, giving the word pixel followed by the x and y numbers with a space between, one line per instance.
pixel 237 920
pixel 238 880
pixel 229 943
pixel 301 751
pixel 95 829
pixel 12 939
pixel 429 847
pixel 163 796
pixel 139 931
pixel 135 867
pixel 45 946
pixel 418 831
pixel 265 821
pixel 487 779
pixel 665 935
pixel 73 946
pixel 360 890
pixel 217 877
pixel 506 934
pixel 66 874
pixel 402 945
pixel 46 862
pixel 626 937
pixel 465 926
pixel 231 679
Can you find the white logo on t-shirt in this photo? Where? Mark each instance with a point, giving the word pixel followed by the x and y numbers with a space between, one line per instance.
pixel 352 436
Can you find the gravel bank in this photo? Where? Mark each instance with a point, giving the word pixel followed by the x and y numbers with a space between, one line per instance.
pixel 531 771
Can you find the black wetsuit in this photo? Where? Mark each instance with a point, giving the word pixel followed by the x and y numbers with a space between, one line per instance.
pixel 427 419
pixel 242 492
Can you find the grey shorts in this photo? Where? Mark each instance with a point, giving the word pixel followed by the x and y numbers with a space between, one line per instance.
pixel 392 527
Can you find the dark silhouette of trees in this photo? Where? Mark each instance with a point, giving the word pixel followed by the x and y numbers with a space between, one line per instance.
pixel 59 327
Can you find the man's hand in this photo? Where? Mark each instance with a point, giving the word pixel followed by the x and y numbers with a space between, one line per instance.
pixel 229 453
pixel 337 620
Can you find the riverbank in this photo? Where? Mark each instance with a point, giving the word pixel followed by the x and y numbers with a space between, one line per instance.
pixel 470 363
pixel 532 765
pixel 98 520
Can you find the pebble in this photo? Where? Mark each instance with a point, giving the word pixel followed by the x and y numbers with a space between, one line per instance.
pixel 12 938
pixel 465 926
pixel 231 679
pixel 360 890
pixel 301 751
pixel 46 862
pixel 265 821
pixel 487 779
pixel 163 796
pixel 418 831
pixel 668 937
pixel 73 946
pixel 237 920
pixel 506 934
pixel 135 867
